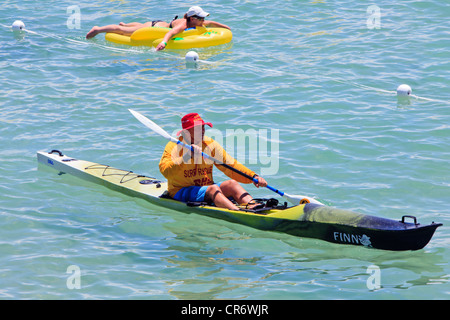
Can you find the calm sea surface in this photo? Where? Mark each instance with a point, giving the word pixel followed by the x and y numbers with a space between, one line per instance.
pixel 316 80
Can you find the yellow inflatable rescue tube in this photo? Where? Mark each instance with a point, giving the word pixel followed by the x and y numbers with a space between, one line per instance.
pixel 192 38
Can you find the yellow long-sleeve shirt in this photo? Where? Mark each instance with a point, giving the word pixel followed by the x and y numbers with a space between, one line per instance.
pixel 197 172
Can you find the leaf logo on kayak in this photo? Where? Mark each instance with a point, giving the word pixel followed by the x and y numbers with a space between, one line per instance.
pixel 365 241
pixel 352 238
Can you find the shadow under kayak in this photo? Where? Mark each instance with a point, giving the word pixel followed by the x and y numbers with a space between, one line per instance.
pixel 304 220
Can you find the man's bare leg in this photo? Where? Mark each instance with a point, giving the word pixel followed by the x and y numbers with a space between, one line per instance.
pixel 229 188
pixel 215 195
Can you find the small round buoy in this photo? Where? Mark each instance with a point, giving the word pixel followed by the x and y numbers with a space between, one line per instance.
pixel 404 90
pixel 18 26
pixel 191 56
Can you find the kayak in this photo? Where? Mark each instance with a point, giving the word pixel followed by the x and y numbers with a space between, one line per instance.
pixel 309 219
pixel 190 38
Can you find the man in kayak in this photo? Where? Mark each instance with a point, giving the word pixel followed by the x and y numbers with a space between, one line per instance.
pixel 195 17
pixel 189 175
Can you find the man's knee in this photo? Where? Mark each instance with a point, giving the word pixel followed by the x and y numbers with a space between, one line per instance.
pixel 232 188
pixel 212 191
pixel 229 184
pixel 213 188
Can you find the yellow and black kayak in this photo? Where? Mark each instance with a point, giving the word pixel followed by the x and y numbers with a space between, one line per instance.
pixel 310 220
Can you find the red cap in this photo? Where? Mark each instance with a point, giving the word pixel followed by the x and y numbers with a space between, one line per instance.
pixel 191 120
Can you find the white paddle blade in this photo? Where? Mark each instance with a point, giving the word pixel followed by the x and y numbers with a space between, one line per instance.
pixel 299 199
pixel 151 125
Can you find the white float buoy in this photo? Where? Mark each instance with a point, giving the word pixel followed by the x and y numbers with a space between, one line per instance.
pixel 18 26
pixel 191 56
pixel 404 90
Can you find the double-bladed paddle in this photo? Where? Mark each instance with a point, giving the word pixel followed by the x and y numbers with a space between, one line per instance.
pixel 294 199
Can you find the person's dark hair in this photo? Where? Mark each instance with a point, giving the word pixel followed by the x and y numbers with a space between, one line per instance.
pixel 188 20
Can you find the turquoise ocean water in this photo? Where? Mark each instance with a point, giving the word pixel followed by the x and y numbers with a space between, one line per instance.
pixel 319 77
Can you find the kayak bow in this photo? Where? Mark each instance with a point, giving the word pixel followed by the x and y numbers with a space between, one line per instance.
pixel 305 220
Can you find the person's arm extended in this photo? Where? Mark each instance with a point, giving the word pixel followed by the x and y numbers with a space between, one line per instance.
pixel 214 24
pixel 176 29
pixel 216 151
